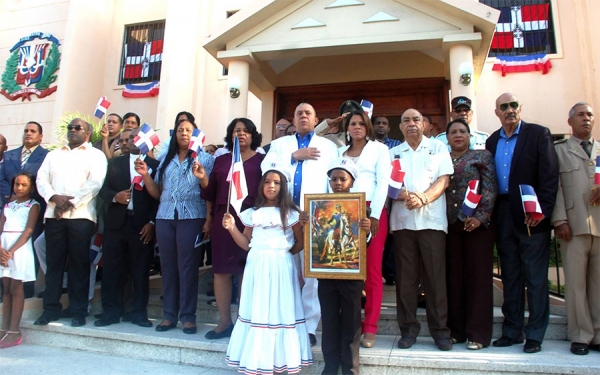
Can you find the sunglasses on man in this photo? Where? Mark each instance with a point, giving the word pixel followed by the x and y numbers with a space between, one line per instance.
pixel 504 106
pixel 74 127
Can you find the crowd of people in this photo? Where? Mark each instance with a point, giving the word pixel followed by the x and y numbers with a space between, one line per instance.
pixel 421 239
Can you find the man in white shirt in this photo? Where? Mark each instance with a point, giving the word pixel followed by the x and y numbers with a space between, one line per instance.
pixel 418 222
pixel 69 180
pixel 308 156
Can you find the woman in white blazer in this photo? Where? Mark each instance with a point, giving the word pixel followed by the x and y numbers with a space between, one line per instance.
pixel 374 166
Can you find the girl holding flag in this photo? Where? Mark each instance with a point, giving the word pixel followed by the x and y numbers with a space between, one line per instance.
pixel 470 198
pixel 181 218
pixel 227 257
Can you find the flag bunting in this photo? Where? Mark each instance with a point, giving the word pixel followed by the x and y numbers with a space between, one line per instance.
pixel 141 91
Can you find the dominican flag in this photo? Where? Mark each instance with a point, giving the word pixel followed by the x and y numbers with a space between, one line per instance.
pixel 146 139
pixel 141 91
pixel 138 182
pixel 597 174
pixel 531 205
pixel 367 106
pixel 471 198
pixel 237 178
pixel 101 107
pixel 96 248
pixel 143 59
pixel 518 64
pixel 31 64
pixel 521 26
pixel 396 179
pixel 196 142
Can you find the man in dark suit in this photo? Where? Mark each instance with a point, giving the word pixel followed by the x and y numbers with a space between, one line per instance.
pixel 128 237
pixel 27 158
pixel 524 154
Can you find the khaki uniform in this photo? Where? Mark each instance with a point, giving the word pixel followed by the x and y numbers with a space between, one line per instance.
pixel 581 255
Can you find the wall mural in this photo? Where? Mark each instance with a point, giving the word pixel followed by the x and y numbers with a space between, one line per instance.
pixel 31 67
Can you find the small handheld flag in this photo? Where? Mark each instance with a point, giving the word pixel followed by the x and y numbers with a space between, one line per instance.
pixel 471 198
pixel 101 107
pixel 196 142
pixel 96 248
pixel 146 139
pixel 531 205
pixel 597 173
pixel 238 189
pixel 396 179
pixel 138 182
pixel 367 106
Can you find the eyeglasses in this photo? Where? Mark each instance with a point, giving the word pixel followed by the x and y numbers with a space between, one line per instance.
pixel 504 106
pixel 462 109
pixel 74 127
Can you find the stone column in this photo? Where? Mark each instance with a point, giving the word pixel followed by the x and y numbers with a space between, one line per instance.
pixel 238 107
pixel 461 53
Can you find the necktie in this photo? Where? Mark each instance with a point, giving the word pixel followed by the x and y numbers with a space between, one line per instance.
pixel 24 158
pixel 585 145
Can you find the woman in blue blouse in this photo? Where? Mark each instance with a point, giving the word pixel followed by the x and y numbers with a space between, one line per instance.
pixel 470 241
pixel 181 217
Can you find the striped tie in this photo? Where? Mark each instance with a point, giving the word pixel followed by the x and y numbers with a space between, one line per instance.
pixel 24 158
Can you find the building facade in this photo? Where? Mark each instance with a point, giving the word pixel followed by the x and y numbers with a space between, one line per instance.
pixel 395 53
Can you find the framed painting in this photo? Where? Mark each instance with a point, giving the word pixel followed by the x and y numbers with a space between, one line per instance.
pixel 334 246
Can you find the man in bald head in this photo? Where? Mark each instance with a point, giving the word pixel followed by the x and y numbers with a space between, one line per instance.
pixel 524 155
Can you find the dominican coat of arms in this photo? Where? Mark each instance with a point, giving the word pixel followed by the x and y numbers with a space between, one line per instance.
pixel 31 67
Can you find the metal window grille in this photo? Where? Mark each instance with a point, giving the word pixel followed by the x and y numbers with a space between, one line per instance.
pixel 520 29
pixel 141 57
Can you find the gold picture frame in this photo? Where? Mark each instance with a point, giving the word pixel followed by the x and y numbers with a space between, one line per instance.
pixel 334 246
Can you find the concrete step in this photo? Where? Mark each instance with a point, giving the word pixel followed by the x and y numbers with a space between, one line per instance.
pixel 557 329
pixel 131 341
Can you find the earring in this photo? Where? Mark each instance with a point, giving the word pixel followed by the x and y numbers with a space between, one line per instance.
pixel 367 138
pixel 348 136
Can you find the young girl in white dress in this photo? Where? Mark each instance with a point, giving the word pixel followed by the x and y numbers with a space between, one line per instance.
pixel 270 334
pixel 16 255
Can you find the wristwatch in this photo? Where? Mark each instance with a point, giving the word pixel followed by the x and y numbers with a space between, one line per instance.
pixel 152 222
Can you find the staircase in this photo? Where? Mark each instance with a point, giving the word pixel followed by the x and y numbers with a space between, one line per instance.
pixel 174 346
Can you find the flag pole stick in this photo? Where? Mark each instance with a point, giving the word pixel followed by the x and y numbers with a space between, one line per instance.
pixel 528 231
pixel 229 197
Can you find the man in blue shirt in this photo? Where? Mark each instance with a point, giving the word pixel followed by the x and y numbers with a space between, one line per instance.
pixel 524 155
pixel 381 125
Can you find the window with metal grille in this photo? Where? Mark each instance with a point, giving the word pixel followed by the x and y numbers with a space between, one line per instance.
pixel 142 52
pixel 525 27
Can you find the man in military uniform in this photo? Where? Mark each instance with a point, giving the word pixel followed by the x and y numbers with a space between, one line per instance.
pixel 576 220
pixel 461 109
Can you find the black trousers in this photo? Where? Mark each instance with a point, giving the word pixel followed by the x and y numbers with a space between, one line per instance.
pixel 68 240
pixel 524 260
pixel 341 322
pixel 122 250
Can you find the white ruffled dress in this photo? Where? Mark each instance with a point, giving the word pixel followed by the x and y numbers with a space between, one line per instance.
pixel 22 265
pixel 270 334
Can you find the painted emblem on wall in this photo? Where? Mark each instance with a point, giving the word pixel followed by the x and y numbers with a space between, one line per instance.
pixel 31 66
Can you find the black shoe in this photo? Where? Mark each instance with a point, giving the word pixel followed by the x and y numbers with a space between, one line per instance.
pixel 98 316
pixel 78 321
pixel 595 347
pixel 507 341
pixel 406 342
pixel 212 335
pixel 532 346
pixel 579 348
pixel 190 330
pixel 212 302
pixel 390 282
pixel 44 319
pixel 103 322
pixel 165 327
pixel 142 322
pixel 313 339
pixel 66 314
pixel 444 343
